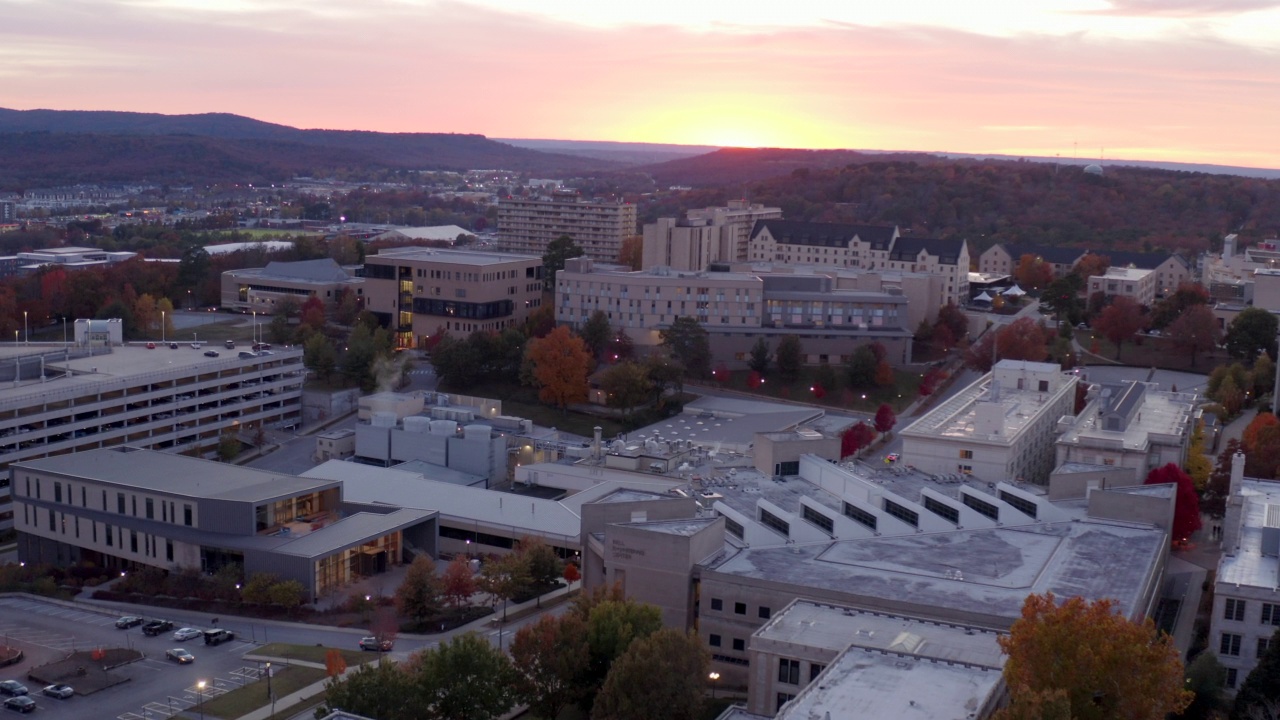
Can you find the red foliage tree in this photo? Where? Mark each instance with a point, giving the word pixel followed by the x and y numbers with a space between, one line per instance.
pixel 571 573
pixel 1260 421
pixel 1022 339
pixel 855 438
pixel 1091 265
pixel 884 374
pixel 818 391
pixel 1186 509
pixel 931 381
pixel 754 380
pixel 721 374
pixel 1120 321
pixel 1195 331
pixel 1033 272
pixel 885 419
pixel 954 320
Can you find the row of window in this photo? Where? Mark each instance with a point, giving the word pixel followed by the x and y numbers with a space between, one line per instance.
pixel 740 608
pixel 1229 645
pixel 125 504
pixel 1234 609
pixel 113 536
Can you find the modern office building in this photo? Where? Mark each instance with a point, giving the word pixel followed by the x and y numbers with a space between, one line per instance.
pixel 1246 599
pixel 125 507
pixel 736 308
pixel 1137 284
pixel 872 247
pixel 58 400
pixel 418 292
pixel 70 258
pixel 1001 427
pixel 528 225
pixel 264 289
pixel 1132 424
pixel 707 235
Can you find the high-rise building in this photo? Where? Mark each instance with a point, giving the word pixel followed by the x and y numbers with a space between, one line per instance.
pixel 714 234
pixel 528 225
pixel 8 212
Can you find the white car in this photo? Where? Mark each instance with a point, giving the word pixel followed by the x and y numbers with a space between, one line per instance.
pixel 182 634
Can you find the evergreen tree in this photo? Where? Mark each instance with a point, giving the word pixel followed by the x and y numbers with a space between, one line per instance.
pixel 1259 696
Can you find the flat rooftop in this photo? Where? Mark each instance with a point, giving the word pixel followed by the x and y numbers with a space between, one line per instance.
pixel 450 257
pixel 1248 566
pixel 180 475
pixel 1125 273
pixel 957 416
pixel 728 421
pixel 986 573
pixel 834 628
pixel 1161 413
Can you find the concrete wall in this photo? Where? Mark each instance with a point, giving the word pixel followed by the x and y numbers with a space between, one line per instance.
pixel 771 450
pixel 1072 485
pixel 654 567
pixel 1133 507
pixel 320 405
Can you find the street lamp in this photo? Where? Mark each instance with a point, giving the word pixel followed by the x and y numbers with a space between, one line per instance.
pixel 271 695
pixel 200 697
pixel 162 322
pixel 26 334
pixel 713 676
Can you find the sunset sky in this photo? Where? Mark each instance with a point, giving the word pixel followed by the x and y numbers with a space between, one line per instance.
pixel 1177 80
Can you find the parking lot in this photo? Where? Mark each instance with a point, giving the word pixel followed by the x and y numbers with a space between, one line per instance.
pixel 155 689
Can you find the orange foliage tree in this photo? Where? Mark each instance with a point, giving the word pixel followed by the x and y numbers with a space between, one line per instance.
pixel 1086 661
pixel 1260 421
pixel 560 363
pixel 1091 265
pixel 334 663
pixel 1120 321
pixel 1033 273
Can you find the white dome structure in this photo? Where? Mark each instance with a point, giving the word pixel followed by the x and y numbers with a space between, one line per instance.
pixel 1094 169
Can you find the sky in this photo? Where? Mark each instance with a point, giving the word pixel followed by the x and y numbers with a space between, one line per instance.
pixel 1172 80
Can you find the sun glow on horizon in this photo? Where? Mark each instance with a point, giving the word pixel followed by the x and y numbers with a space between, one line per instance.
pixel 723 122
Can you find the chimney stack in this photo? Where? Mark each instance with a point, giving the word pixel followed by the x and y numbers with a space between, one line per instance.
pixel 596 444
pixel 1237 473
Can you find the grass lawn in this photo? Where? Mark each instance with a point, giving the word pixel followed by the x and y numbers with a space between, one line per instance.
pixel 904 389
pixel 313 653
pixel 252 696
pixel 1153 352
pixel 522 401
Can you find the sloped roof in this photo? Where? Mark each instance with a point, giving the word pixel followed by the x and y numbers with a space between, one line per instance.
pixel 1143 261
pixel 796 232
pixel 1051 254
pixel 908 248
pixel 322 270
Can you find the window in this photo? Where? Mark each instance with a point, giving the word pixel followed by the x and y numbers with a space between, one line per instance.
pixel 1044 386
pixel 1263 644
pixel 941 509
pixel 134 503
pixel 151 509
pixel 1270 614
pixel 857 514
pixel 57 492
pixel 109 540
pixel 765 613
pixel 733 527
pixel 815 669
pixel 788 671
pixel 1232 675
pixel 168 550
pixel 739 608
pixel 1234 610
pixel 713 640
pixel 783 699
pixel 768 519
pixel 739 644
pixel 133 541
pixel 910 517
pixel 1024 506
pixel 981 506
pixel 817 518
pixel 186 515
pixel 120 503
pixel 966 454
pixel 52 526
pixel 717 604
pixel 1230 645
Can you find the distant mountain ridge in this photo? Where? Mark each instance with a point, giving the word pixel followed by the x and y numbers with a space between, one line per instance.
pixel 58 146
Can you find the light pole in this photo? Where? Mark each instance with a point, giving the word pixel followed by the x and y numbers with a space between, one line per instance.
pixel 200 698
pixel 270 695
pixel 26 334
pixel 162 322
pixel 713 676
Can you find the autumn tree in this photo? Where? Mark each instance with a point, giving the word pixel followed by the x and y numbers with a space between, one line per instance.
pixel 1089 265
pixel 1198 464
pixel 612 625
pixel 1033 273
pixel 622 347
pixel 688 342
pixel 542 565
pixel 312 314
pixel 662 675
pixel 596 333
pixel 1022 339
pixel 552 658
pixel 418 596
pixel 885 419
pixel 931 380
pixel 1062 297
pixel 1195 331
pixel 382 690
pixel 1253 331
pixel 561 362
pixel 789 358
pixel 1188 295
pixel 631 253
pixel 954 320
pixel 1186 505
pixel 465 678
pixel 503 579
pixel 1263 375
pixel 758 359
pixel 1090 657
pixel 1120 321
pixel 558 251
pixel 626 385
pixel 458 583
pixel 1250 435
pixel 855 438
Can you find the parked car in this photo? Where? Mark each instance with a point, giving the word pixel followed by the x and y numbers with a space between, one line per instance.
pixel 230 344
pixel 128 621
pixel 892 458
pixel 211 353
pixel 13 688
pixel 261 346
pixel 173 346
pixel 218 636
pixel 180 656
pixel 151 346
pixel 186 633
pixel 22 704
pixel 372 643
pixel 156 627
pixel 62 692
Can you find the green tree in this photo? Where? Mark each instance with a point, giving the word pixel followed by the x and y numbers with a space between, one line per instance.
pixel 1259 696
pixel 194 269
pixel 659 677
pixel 825 376
pixel 278 330
pixel 1205 677
pixel 358 361
pixel 465 678
pixel 789 358
pixel 503 579
pixel 558 251
pixel 860 368
pixel 1062 297
pixel 626 385
pixel 552 657
pixel 541 562
pixel 1263 375
pixel 288 594
pixel 419 593
pixel 348 308
pixel 666 373
pixel 1253 331
pixel 611 628
pixel 385 691
pixel 228 447
pixel 759 358
pixel 257 589
pixel 457 362
pixel 596 333
pixel 319 356
pixel 689 343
